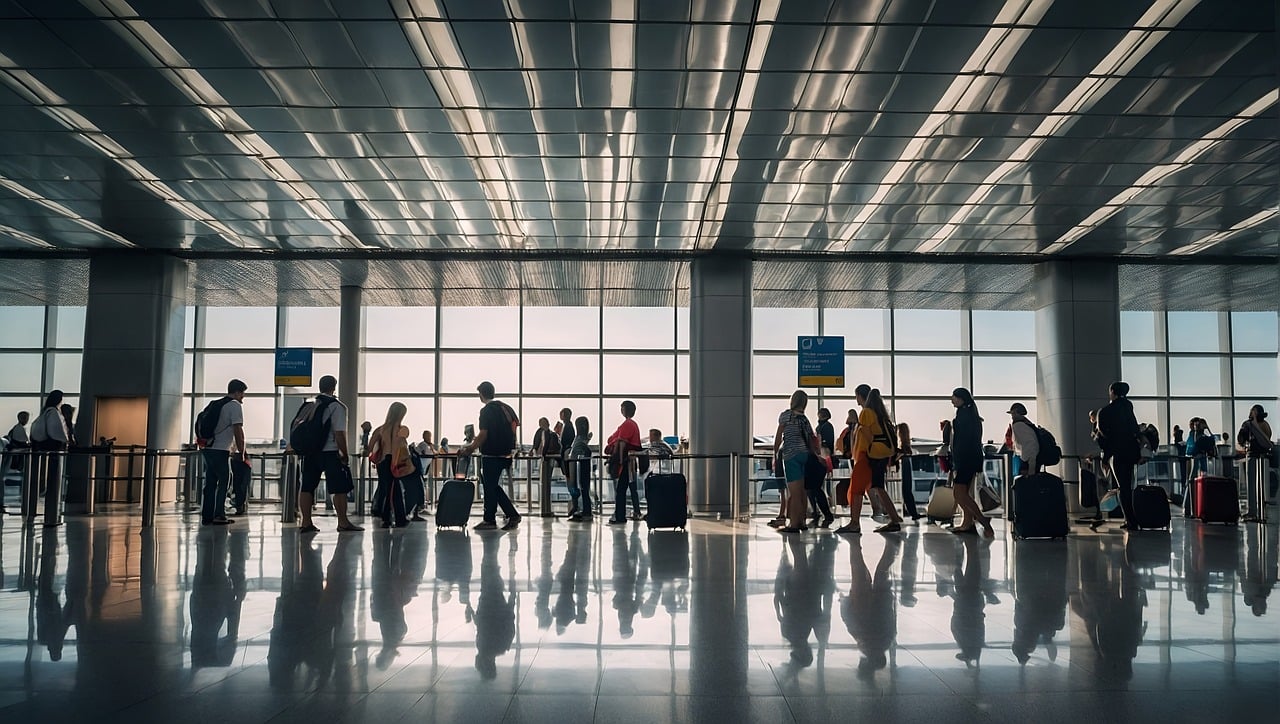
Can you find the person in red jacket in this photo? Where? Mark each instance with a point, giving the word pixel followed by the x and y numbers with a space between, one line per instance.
pixel 624 441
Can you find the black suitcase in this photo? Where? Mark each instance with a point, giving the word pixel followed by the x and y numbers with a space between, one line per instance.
pixel 1150 507
pixel 667 497
pixel 1040 507
pixel 454 506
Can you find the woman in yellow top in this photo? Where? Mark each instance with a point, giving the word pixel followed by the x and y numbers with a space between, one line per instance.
pixel 873 450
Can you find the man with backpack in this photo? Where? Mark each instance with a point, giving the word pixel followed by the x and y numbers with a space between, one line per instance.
pixel 1026 442
pixel 496 441
pixel 319 435
pixel 219 430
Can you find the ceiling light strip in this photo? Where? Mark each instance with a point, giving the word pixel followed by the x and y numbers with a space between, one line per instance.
pixel 1215 239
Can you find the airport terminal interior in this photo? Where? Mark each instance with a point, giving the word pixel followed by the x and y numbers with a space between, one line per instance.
pixel 695 206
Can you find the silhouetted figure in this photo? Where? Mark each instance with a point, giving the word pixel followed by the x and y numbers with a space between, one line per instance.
pixel 868 611
pixel 495 615
pixel 629 572
pixel 1109 602
pixel 574 579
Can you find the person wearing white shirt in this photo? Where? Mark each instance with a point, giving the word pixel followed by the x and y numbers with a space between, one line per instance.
pixel 228 435
pixel 1026 444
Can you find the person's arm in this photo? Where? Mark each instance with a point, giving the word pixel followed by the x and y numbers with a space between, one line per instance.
pixel 340 438
pixel 777 440
pixel 237 430
pixel 476 443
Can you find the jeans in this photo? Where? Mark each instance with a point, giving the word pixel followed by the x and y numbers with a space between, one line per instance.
pixel 580 486
pixel 909 507
pixel 620 485
pixel 491 470
pixel 1124 470
pixel 388 499
pixel 217 470
pixel 241 474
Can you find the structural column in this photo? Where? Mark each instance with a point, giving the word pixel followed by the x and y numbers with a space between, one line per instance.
pixel 349 362
pixel 131 379
pixel 1077 347
pixel 720 380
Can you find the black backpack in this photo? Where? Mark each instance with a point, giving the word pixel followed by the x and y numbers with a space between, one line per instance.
pixel 206 425
pixel 1050 450
pixel 308 436
pixel 504 438
pixel 550 444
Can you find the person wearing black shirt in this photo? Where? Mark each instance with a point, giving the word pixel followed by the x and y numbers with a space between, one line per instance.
pixel 826 431
pixel 496 441
pixel 1118 436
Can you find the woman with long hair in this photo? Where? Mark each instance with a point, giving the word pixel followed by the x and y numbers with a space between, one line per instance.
pixel 966 461
pixel 902 460
pixel 388 499
pixel 873 449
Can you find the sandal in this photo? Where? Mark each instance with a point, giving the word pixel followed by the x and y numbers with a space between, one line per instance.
pixel 308 529
pixel 349 528
pixel 777 523
pixel 849 529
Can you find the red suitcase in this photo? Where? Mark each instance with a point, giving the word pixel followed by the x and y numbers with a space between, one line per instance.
pixel 1216 500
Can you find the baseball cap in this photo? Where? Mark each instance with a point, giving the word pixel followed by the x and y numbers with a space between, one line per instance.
pixel 1017 407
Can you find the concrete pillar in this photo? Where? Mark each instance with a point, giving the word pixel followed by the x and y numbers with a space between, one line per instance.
pixel 349 362
pixel 719 379
pixel 133 348
pixel 1077 346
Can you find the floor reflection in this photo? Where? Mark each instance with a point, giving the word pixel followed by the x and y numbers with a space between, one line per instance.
pixel 98 616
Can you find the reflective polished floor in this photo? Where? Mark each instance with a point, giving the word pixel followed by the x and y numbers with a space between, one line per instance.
pixel 101 621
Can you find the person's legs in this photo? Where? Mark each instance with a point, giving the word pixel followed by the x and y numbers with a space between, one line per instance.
pixel 797 503
pixel 311 468
pixel 396 494
pixel 241 474
pixel 909 507
pixel 338 482
pixel 1124 471
pixel 415 496
pixel 582 484
pixel 879 473
pixel 620 496
pixel 635 497
pixel 215 480
pixel 382 494
pixel 821 503
pixel 490 479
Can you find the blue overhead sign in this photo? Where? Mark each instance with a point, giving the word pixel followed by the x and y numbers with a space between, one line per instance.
pixel 820 361
pixel 293 367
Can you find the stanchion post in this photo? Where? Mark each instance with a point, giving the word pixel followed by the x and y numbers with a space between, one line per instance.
pixel 149 492
pixel 289 489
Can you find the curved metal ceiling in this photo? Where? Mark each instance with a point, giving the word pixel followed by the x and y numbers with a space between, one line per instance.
pixel 1058 127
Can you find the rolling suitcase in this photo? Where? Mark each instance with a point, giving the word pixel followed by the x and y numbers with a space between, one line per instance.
pixel 1040 507
pixel 1216 500
pixel 1150 507
pixel 667 497
pixel 942 504
pixel 454 506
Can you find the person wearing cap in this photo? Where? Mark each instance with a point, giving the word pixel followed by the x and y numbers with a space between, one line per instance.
pixel 1025 443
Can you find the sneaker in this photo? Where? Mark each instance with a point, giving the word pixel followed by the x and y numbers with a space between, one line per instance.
pixel 575 517
pixel 615 521
pixel 512 523
pixel 826 522
pixel 487 525
pixel 242 510
pixel 849 529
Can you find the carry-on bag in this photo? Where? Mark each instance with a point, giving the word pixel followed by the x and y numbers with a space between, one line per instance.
pixel 942 504
pixel 1150 507
pixel 1216 500
pixel 454 506
pixel 667 497
pixel 1040 506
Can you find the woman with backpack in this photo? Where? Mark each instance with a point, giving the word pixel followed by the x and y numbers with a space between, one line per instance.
pixel 873 448
pixel 967 461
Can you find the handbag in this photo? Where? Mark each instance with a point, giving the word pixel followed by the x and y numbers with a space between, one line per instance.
pixel 1110 501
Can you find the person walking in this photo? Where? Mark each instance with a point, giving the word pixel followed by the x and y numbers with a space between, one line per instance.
pixel 902 461
pixel 388 499
pixel 875 446
pixel 793 443
pixel 1026 444
pixel 496 442
pixel 332 461
pixel 1118 436
pixel 624 441
pixel 579 459
pixel 967 461
pixel 227 428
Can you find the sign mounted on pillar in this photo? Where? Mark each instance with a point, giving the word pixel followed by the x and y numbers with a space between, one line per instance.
pixel 820 361
pixel 293 367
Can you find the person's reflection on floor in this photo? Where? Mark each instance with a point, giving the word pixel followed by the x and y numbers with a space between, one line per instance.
pixel 630 569
pixel 868 610
pixel 335 613
pixel 238 544
pixel 495 615
pixel 1110 602
pixel 387 599
pixel 910 568
pixel 294 629
pixel 453 570
pixel 571 602
pixel 211 599
pixel 542 602
pixel 669 573
pixel 796 602
pixel 53 617
pixel 1260 567
pixel 822 564
pixel 1039 599
pixel 968 619
pixel 1208 551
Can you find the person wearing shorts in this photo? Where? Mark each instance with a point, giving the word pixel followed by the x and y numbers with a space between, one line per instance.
pixel 331 461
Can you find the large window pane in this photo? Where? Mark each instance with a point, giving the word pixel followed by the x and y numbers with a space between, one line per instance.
pixel 682 374
pixel 1006 376
pixel 22 373
pixel 995 331
pixel 257 370
pixel 938 330
pixel 1138 332
pixel 864 369
pixel 400 372
pixel 639 374
pixel 68 327
pixel 773 374
pixel 22 327
pixel 571 374
pixel 11 406
pixel 311 326
pixel 239 327
pixel 66 371
pixel 480 327
pixel 1196 376
pixel 682 328
pixel 996 413
pixel 1154 412
pixel 455 414
pixel 189 329
pixel 567 328
pixel 420 413
pixel 1142 372
pixel 1194 332
pixel 259 418
pixel 1253 331
pixel 924 416
pixel 927 376
pixel 764 414
pixel 862 329
pixel 1213 411
pixel 640 327
pixel 777 329
pixel 402 327
pixel 461 372
pixel 1257 377
pixel 549 407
